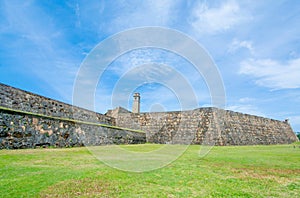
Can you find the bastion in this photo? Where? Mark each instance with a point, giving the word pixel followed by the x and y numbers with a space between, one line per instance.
pixel 28 120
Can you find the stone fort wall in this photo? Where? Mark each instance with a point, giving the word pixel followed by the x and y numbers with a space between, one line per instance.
pixel 28 120
pixel 208 125
pixel 26 101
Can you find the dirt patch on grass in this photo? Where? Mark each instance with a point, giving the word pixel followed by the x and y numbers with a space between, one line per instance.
pixel 78 188
pixel 281 176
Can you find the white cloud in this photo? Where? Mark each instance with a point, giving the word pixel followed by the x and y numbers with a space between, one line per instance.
pixel 133 59
pixel 246 105
pixel 77 12
pixel 42 46
pixel 133 64
pixel 236 45
pixel 164 75
pixel 295 119
pixel 149 13
pixel 295 122
pixel 246 108
pixel 246 99
pixel 273 74
pixel 216 19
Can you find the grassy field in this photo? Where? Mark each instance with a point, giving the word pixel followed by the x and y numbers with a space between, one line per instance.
pixel 244 171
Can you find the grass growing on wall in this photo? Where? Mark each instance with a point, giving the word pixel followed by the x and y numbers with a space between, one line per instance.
pixel 68 119
pixel 245 171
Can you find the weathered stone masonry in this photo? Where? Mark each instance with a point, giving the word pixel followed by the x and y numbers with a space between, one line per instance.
pixel 28 120
pixel 26 101
pixel 221 127
pixel 60 126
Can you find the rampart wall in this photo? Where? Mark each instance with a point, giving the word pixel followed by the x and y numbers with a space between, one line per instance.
pixel 26 101
pixel 209 125
pixel 28 120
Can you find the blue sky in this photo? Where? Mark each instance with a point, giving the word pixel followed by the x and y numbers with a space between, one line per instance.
pixel 255 45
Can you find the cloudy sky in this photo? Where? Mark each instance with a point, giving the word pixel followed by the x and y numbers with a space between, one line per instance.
pixel 254 44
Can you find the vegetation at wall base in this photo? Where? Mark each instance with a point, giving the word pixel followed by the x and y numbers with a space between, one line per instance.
pixel 233 171
pixel 298 135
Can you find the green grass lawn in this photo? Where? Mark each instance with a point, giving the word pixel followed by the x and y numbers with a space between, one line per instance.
pixel 240 171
